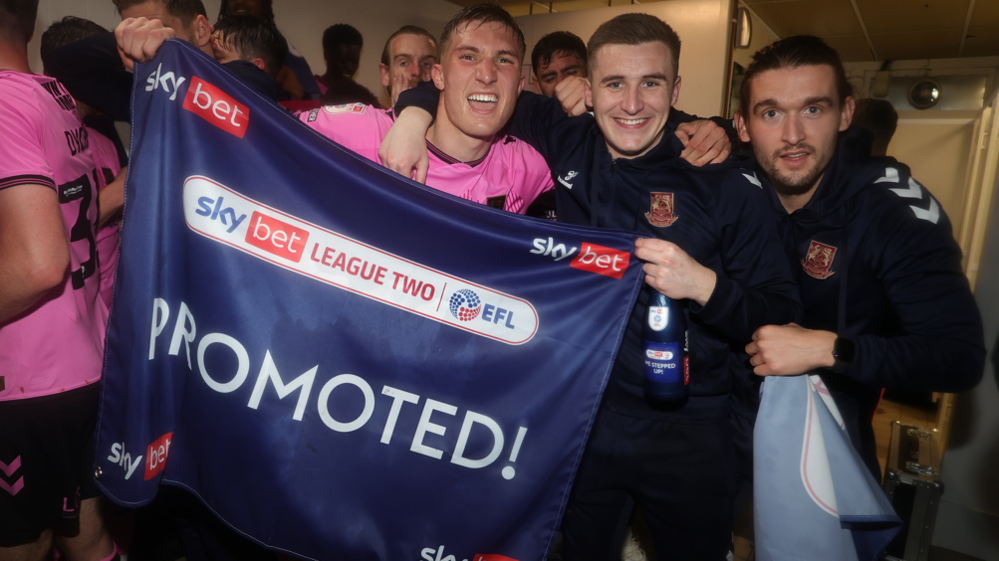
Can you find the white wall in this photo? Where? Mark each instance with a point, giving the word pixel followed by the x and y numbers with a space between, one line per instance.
pixel 703 27
pixel 301 21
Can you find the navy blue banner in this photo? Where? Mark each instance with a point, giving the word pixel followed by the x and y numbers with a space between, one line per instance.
pixel 339 362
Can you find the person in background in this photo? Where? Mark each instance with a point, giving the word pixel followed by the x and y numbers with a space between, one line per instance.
pixel 556 57
pixel 52 318
pixel 886 304
pixel 342 51
pixel 407 59
pixel 107 159
pixel 254 45
pixel 295 77
pixel 879 117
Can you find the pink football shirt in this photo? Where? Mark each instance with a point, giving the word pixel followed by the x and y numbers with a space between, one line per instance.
pixel 57 345
pixel 108 165
pixel 509 177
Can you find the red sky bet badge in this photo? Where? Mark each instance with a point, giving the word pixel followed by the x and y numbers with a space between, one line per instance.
pixel 661 212
pixel 818 260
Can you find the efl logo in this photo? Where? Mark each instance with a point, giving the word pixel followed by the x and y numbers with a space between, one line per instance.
pixel 214 106
pixel 274 236
pixel 156 455
pixel 465 304
pixel 601 260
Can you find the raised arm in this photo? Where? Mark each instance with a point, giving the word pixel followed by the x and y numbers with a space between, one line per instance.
pixel 92 71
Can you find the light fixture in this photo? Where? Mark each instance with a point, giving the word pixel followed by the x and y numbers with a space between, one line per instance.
pixel 924 93
pixel 744 27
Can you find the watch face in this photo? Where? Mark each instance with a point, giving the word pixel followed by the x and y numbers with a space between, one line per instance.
pixel 843 349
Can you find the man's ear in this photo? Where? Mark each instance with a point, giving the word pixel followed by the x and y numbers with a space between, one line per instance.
pixel 520 86
pixel 200 32
pixel 740 127
pixel 588 93
pixel 846 117
pixel 437 75
pixel 383 70
pixel 676 92
pixel 259 63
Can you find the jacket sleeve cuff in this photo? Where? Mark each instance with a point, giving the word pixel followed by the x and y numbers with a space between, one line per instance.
pixel 719 303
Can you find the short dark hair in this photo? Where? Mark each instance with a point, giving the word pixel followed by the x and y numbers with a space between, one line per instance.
pixel 557 42
pixel 265 5
pixel 879 117
pixel 17 19
pixel 793 52
pixel 341 34
pixel 635 29
pixel 69 29
pixel 407 30
pixel 252 37
pixel 185 10
pixel 483 13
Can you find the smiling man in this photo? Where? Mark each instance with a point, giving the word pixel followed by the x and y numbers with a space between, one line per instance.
pixel 886 304
pixel 708 247
pixel 480 79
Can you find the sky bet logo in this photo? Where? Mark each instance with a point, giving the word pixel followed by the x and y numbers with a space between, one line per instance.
pixel 227 217
pixel 214 106
pixel 591 257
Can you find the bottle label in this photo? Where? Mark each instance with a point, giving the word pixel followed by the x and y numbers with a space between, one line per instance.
pixel 658 318
pixel 664 363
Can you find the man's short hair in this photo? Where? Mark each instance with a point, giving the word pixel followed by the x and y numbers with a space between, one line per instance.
pixel 266 8
pixel 252 37
pixel 17 20
pixel 790 53
pixel 184 10
pixel 69 29
pixel 879 117
pixel 483 13
pixel 341 34
pixel 635 29
pixel 407 30
pixel 557 42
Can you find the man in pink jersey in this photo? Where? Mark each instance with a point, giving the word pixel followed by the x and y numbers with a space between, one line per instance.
pixel 479 75
pixel 51 316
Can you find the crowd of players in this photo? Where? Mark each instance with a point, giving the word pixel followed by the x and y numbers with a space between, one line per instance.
pixel 795 251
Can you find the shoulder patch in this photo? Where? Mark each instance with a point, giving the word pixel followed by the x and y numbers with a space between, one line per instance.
pixel 912 190
pixel 358 108
pixel 313 114
pixel 751 176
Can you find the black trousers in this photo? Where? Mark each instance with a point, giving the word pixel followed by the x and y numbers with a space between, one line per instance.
pixel 681 476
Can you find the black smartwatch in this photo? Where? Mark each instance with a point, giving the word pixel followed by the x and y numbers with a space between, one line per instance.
pixel 843 352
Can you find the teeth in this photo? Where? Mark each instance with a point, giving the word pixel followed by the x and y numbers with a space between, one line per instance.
pixel 631 121
pixel 485 98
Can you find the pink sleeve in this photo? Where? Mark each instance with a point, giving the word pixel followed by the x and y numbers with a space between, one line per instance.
pixel 354 126
pixel 22 156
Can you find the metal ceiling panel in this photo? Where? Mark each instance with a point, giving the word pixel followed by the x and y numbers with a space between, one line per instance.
pixel 902 16
pixel 851 48
pixel 918 44
pixel 982 41
pixel 986 13
pixel 809 17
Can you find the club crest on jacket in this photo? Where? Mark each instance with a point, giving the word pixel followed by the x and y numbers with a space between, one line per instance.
pixel 818 260
pixel 661 212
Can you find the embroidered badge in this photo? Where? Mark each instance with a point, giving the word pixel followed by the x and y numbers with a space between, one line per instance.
pixel 313 115
pixel 661 212
pixel 818 260
pixel 498 201
pixel 358 108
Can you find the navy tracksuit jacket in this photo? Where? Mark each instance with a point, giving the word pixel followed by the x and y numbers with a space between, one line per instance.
pixel 875 259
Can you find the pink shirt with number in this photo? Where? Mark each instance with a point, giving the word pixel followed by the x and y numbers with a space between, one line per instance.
pixel 509 177
pixel 57 344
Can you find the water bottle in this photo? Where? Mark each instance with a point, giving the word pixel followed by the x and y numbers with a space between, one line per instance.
pixel 667 370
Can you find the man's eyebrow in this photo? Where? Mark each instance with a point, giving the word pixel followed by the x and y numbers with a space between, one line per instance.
pixel 771 102
pixel 819 100
pixel 467 48
pixel 511 54
pixel 765 103
pixel 549 73
pixel 619 78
